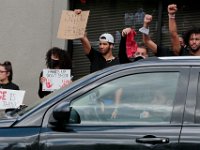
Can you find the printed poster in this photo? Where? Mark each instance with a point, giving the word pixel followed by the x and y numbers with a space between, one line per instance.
pixel 54 79
pixel 11 98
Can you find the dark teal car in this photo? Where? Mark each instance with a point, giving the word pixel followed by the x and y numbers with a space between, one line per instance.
pixel 149 104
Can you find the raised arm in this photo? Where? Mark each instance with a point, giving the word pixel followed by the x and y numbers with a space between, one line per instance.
pixel 84 40
pixel 86 44
pixel 176 47
pixel 145 30
pixel 123 58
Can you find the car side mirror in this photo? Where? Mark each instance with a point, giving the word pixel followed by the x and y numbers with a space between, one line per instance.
pixel 62 112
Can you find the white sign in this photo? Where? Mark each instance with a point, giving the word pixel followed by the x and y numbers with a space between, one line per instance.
pixel 11 98
pixel 54 79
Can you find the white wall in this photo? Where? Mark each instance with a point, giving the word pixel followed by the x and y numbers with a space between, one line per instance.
pixel 28 29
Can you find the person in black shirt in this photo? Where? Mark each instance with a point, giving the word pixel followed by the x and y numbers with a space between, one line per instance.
pixel 56 58
pixel 102 58
pixel 156 49
pixel 191 37
pixel 6 75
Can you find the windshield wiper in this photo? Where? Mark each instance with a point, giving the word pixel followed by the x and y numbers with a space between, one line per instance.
pixel 12 112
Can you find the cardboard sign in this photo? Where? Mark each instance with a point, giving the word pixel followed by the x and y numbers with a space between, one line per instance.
pixel 11 98
pixel 54 79
pixel 72 25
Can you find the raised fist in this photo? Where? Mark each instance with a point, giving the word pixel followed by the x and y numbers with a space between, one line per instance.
pixel 147 19
pixel 172 8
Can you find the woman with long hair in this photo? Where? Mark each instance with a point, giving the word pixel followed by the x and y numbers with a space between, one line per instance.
pixel 56 58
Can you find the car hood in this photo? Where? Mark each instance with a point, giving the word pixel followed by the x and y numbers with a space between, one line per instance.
pixel 7 122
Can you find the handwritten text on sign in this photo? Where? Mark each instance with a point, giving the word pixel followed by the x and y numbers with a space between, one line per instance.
pixel 11 98
pixel 55 79
pixel 72 25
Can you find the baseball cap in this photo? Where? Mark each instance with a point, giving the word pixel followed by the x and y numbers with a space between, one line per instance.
pixel 106 37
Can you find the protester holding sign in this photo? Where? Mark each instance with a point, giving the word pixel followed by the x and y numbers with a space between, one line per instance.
pixel 56 58
pixel 55 79
pixel 6 99
pixel 102 58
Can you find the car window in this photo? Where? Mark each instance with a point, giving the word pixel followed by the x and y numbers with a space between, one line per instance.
pixel 138 98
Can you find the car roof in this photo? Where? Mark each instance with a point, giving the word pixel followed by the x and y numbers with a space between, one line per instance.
pixel 170 60
pixel 148 62
pixel 180 57
pixel 155 61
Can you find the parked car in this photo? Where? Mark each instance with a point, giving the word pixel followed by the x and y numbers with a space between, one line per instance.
pixel 148 104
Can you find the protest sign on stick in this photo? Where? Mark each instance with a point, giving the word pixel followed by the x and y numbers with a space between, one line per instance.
pixel 11 98
pixel 55 79
pixel 72 25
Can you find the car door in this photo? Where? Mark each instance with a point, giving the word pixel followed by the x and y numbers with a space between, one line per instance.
pixel 190 133
pixel 130 109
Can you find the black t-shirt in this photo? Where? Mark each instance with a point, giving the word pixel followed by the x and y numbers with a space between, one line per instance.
pixel 98 62
pixel 10 86
pixel 162 51
pixel 184 51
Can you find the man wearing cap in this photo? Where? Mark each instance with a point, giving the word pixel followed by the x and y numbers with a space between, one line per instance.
pixel 102 58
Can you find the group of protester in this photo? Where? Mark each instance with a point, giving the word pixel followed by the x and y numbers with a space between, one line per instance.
pixel 129 50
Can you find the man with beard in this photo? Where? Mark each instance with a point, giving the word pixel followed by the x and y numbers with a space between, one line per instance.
pixel 102 58
pixel 192 40
pixel 191 37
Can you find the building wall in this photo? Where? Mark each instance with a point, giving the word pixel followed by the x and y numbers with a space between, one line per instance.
pixel 28 29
